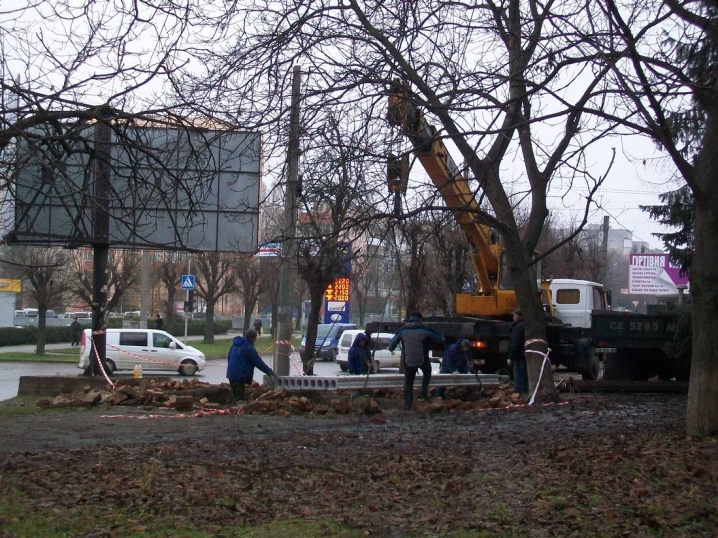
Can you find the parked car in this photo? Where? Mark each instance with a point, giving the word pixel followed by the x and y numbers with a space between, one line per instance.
pixel 383 358
pixel 85 318
pixel 78 315
pixel 33 313
pixel 152 349
pixel 327 340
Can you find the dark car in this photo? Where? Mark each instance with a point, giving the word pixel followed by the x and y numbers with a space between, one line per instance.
pixel 327 340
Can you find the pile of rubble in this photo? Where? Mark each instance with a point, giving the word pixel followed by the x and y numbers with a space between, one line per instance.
pixel 193 395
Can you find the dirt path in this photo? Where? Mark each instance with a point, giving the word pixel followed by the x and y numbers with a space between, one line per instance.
pixel 582 415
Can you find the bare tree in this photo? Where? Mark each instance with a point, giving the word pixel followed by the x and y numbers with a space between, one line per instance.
pixel 169 271
pixel 334 197
pixel 413 259
pixel 67 67
pixel 450 265
pixel 44 269
pixel 249 276
pixel 580 257
pixel 301 290
pixel 662 57
pixel 216 278
pixel 498 80
pixel 124 273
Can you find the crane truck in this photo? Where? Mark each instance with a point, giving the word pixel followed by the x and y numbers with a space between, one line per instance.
pixel 484 315
pixel 581 330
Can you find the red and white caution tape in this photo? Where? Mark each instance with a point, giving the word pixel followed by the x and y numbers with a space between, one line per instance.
pixel 93 349
pixel 202 412
pixel 546 361
pixel 525 406
pixel 142 357
pixel 297 365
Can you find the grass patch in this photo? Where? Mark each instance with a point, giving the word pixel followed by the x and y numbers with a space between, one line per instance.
pixel 66 356
pixel 16 520
pixel 220 348
pixel 27 405
pixel 217 350
pixel 19 406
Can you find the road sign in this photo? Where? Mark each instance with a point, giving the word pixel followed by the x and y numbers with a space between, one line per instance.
pixel 187 282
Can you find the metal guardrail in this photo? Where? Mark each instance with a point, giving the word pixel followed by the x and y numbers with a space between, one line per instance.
pixel 383 381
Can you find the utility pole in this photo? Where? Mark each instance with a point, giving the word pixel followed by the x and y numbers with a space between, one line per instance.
pixel 604 249
pixel 283 345
pixel 145 287
pixel 604 244
pixel 100 244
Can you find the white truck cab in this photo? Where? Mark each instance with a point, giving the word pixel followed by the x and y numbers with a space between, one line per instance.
pixel 575 299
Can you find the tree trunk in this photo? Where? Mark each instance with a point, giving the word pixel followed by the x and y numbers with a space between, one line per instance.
pixel 170 313
pixel 249 300
pixel 539 372
pixel 702 412
pixel 41 332
pixel 316 296
pixel 209 323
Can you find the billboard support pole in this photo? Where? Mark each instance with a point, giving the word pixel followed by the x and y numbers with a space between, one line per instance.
pixel 283 344
pixel 100 243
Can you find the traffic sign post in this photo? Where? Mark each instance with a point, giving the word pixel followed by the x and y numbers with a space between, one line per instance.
pixel 187 283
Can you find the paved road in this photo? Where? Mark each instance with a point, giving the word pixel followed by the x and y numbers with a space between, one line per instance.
pixel 30 348
pixel 10 372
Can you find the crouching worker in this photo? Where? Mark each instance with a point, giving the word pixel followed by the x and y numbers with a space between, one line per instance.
pixel 241 361
pixel 454 360
pixel 359 355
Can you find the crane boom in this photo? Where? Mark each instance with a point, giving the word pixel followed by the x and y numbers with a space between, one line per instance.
pixel 490 299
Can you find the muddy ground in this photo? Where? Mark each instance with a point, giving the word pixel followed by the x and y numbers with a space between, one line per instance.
pixel 597 465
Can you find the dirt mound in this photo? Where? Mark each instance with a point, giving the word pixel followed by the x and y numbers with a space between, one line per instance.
pixel 191 395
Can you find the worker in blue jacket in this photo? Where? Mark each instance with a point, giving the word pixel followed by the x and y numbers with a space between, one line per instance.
pixel 455 359
pixel 359 355
pixel 241 361
pixel 416 342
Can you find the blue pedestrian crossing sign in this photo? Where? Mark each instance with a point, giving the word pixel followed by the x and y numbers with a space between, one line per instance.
pixel 187 282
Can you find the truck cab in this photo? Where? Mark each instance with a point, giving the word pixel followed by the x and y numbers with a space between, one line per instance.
pixel 574 300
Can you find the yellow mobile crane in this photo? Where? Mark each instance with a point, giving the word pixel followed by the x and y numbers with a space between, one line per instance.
pixel 482 317
pixel 495 296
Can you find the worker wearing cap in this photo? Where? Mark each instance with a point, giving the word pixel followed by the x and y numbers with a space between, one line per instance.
pixel 455 359
pixel 517 355
pixel 416 342
pixel 241 361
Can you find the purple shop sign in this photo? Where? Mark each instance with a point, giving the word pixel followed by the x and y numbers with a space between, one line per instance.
pixel 651 274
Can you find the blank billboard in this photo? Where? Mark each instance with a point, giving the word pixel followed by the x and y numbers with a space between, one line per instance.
pixel 169 188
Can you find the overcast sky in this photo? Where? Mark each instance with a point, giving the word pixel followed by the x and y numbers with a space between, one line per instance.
pixel 639 175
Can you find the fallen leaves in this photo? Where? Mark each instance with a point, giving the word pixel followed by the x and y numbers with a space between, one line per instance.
pixel 582 470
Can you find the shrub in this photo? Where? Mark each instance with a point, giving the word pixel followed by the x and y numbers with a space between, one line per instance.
pixel 18 336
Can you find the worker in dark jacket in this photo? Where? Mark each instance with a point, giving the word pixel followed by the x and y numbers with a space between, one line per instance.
pixel 241 361
pixel 75 332
pixel 455 359
pixel 517 355
pixel 359 355
pixel 416 342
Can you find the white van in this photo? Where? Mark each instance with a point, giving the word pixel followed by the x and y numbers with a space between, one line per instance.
pixel 383 358
pixel 152 349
